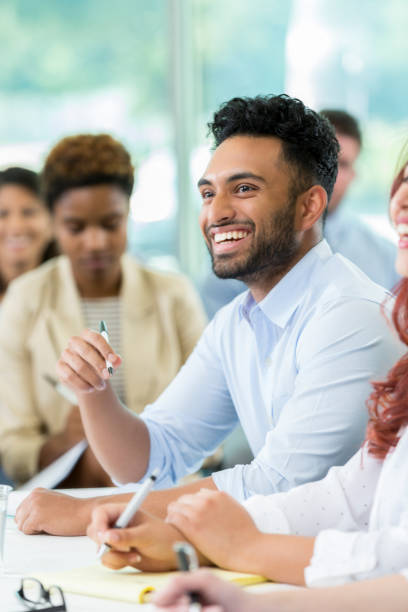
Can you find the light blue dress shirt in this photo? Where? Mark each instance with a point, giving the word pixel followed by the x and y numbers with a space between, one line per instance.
pixel 294 369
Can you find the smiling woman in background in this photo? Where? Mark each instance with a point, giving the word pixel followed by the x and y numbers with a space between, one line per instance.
pixel 154 319
pixel 25 225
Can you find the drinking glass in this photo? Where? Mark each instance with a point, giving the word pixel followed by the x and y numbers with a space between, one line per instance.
pixel 4 493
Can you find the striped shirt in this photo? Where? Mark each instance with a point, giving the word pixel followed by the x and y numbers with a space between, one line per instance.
pixel 108 310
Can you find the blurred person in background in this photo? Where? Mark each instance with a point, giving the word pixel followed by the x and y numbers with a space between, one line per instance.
pixel 25 225
pixel 346 233
pixel 25 229
pixel 153 318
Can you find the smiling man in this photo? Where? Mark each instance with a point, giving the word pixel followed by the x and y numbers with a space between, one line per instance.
pixel 291 359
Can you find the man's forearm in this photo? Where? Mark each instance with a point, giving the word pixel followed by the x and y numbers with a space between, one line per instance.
pixel 119 439
pixel 156 503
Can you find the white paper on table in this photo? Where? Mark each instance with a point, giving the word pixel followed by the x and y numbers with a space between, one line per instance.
pixel 58 470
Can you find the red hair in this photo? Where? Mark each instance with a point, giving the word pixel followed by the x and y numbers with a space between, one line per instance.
pixel 388 403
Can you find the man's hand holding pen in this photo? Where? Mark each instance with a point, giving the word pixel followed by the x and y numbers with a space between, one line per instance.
pixel 83 364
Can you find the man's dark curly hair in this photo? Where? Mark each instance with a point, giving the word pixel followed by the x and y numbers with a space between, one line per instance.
pixel 85 160
pixel 309 144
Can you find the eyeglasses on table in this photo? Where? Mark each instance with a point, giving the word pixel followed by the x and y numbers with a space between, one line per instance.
pixel 33 594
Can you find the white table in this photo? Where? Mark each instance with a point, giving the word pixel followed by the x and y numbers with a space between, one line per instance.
pixel 25 555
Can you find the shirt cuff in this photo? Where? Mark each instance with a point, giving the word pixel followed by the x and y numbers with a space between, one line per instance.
pixel 231 482
pixel 340 557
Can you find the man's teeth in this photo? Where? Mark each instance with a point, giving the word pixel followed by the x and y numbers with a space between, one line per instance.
pixel 402 229
pixel 223 236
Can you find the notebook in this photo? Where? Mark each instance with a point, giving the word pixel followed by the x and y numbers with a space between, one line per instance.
pixel 128 585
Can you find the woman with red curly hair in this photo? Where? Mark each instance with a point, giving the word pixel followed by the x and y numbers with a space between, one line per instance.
pixel 155 319
pixel 351 525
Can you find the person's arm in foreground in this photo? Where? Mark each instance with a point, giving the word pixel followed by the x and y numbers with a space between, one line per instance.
pixel 146 544
pixel 232 541
pixel 335 555
pixel 173 435
pixel 212 520
pixel 174 456
pixel 44 511
pixel 389 593
pixel 224 532
pixel 82 367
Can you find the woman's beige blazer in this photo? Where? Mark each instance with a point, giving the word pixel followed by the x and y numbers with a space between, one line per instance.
pixel 162 321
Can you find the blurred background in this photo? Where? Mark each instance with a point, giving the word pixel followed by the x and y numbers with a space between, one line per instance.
pixel 152 72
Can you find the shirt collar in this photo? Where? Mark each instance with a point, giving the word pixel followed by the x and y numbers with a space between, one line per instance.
pixel 282 301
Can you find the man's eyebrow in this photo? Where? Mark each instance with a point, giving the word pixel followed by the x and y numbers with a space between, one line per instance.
pixel 244 175
pixel 234 177
pixel 203 181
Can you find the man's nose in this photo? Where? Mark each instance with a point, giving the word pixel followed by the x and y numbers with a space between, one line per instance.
pixel 220 209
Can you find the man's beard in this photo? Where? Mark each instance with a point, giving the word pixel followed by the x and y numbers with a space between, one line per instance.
pixel 271 252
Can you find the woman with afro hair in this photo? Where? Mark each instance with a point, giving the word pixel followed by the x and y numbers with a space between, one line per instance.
pixel 153 318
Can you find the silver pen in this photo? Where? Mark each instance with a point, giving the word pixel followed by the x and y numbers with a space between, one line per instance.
pixel 103 330
pixel 187 562
pixel 131 509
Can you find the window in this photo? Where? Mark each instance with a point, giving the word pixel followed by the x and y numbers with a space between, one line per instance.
pixel 152 72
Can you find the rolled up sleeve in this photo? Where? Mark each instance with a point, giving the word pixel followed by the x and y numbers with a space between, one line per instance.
pixel 192 417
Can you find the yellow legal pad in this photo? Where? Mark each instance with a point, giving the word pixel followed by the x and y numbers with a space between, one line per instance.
pixel 126 584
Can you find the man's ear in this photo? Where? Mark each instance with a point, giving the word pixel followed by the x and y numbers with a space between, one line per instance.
pixel 310 207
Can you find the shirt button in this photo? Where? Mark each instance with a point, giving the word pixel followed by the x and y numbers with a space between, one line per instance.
pixel 268 361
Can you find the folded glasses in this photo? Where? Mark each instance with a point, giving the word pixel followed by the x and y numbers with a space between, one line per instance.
pixel 33 594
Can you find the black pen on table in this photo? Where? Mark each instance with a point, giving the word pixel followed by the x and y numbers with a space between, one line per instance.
pixel 103 330
pixel 187 561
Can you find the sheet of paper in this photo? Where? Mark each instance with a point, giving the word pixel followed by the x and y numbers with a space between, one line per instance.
pixel 57 471
pixel 127 585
